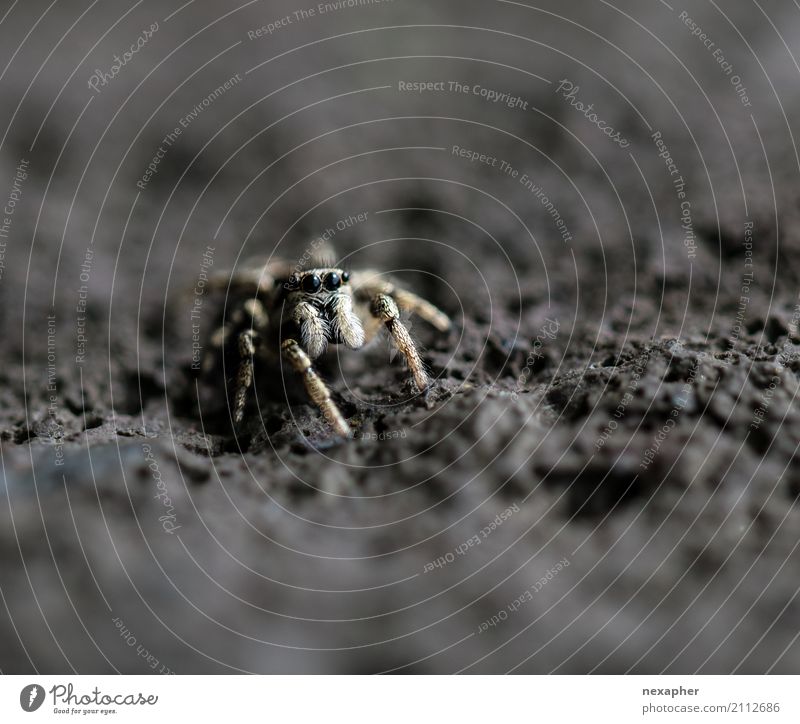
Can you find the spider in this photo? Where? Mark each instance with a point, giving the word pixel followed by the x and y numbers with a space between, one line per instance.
pixel 292 315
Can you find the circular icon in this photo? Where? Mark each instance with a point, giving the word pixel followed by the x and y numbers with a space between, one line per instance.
pixel 31 697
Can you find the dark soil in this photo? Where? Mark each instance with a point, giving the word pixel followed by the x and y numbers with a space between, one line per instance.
pixel 604 477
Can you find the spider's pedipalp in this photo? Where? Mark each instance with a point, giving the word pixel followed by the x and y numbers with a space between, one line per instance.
pixel 345 324
pixel 317 390
pixel 313 328
pixel 384 308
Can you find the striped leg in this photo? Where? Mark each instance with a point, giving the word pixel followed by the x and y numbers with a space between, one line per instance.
pixel 244 377
pixel 384 308
pixel 248 339
pixel 317 390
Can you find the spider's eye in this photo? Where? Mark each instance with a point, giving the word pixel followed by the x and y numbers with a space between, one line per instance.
pixel 345 277
pixel 332 281
pixel 311 283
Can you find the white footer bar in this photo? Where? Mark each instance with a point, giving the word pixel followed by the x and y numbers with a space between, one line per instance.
pixel 400 700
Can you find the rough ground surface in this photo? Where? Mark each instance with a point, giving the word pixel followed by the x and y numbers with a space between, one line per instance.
pixel 652 446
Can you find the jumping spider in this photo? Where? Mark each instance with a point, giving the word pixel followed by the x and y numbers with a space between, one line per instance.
pixel 295 314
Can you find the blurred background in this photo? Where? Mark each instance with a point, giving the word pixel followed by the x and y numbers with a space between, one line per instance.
pixel 604 198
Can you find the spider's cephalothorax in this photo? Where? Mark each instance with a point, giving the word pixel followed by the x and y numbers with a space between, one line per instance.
pixel 295 315
pixel 319 304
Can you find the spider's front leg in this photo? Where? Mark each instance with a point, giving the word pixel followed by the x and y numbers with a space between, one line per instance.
pixel 385 299
pixel 315 387
pixel 384 308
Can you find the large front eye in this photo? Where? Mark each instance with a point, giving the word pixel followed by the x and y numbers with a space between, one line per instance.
pixel 332 281
pixel 311 283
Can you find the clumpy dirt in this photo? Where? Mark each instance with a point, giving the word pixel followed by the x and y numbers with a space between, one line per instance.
pixel 604 478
